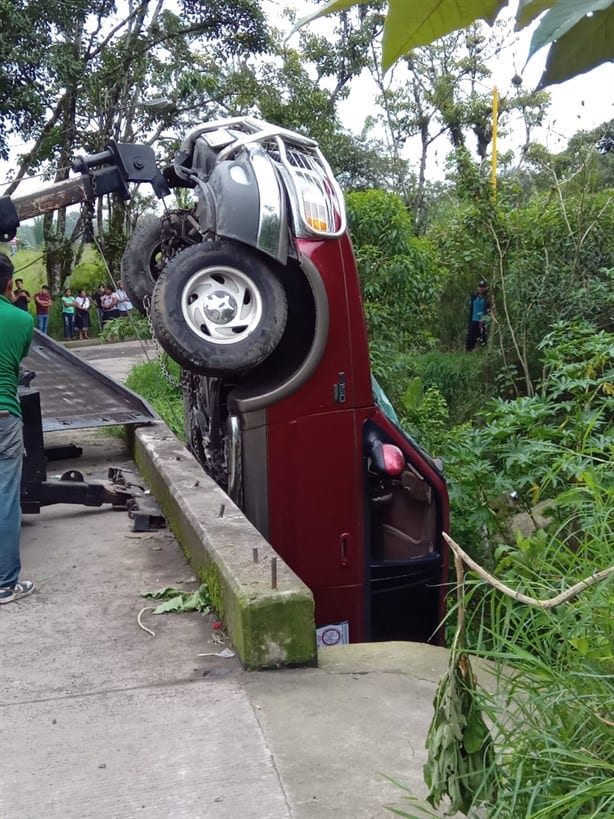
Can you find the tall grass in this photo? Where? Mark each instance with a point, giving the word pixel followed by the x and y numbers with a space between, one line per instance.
pixel 150 382
pixel 550 699
pixel 466 380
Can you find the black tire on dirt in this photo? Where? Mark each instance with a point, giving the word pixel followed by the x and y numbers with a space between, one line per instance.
pixel 146 252
pixel 219 309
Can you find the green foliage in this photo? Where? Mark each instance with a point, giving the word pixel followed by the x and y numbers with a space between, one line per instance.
pixel 578 41
pixel 88 274
pixel 30 266
pixel 538 446
pixel 180 601
pixel 585 165
pixel 424 413
pixel 132 326
pixel 554 667
pixel 461 757
pixel 25 39
pixel 150 382
pixel 77 74
pixel 548 702
pixel 400 281
pixel 466 382
pixel 581 38
pixel 546 262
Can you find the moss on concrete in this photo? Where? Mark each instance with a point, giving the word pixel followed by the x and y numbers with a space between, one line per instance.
pixel 211 576
pixel 273 631
pixel 282 631
pixel 269 628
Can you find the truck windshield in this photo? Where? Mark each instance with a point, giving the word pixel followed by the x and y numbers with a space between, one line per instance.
pixel 382 401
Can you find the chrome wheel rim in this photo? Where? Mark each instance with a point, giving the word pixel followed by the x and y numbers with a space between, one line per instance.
pixel 221 305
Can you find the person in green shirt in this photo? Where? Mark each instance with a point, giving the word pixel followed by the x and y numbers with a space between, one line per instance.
pixel 16 328
pixel 68 314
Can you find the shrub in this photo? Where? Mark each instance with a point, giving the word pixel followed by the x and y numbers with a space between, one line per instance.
pixel 466 381
pixel 133 326
pixel 400 281
pixel 549 706
pixel 150 382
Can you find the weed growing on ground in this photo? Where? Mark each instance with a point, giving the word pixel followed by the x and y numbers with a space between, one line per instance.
pixel 149 381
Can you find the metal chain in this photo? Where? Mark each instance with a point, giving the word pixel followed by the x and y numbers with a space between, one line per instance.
pixel 179 383
pixel 88 211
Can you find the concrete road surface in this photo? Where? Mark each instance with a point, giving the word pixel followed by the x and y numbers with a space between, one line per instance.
pixel 100 719
pixel 115 360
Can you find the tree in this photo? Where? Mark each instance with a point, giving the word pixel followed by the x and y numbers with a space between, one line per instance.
pixel 581 33
pixel 93 79
pixel 400 281
pixel 443 90
pixel 25 39
pixel 548 258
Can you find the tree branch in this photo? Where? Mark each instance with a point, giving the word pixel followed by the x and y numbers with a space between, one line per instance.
pixel 27 159
pixel 550 603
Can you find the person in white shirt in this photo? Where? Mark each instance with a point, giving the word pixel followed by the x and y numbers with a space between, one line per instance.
pixel 124 305
pixel 82 314
pixel 109 302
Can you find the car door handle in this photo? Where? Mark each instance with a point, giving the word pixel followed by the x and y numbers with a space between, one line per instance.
pixel 345 548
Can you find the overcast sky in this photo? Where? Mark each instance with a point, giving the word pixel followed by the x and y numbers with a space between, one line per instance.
pixel 579 104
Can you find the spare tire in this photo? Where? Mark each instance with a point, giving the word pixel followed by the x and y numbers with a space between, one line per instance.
pixel 219 308
pixel 155 240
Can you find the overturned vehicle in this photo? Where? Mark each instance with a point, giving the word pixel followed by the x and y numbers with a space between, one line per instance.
pixel 254 292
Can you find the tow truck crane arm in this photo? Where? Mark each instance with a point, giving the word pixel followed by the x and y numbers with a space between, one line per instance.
pixel 102 173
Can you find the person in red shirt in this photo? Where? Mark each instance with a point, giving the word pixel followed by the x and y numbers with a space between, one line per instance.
pixel 43 302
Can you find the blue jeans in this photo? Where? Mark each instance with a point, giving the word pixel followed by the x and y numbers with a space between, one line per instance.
pixel 11 460
pixel 42 322
pixel 69 325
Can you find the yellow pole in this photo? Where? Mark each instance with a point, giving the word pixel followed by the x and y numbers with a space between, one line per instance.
pixel 495 121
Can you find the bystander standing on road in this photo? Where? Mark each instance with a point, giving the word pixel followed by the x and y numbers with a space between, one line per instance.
pixel 21 297
pixel 124 305
pixel 43 302
pixel 16 327
pixel 82 316
pixel 97 299
pixel 68 314
pixel 109 302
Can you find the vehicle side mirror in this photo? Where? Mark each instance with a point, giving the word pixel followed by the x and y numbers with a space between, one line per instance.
pixel 387 459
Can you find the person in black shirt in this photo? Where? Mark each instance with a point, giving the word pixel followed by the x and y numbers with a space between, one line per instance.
pixel 96 298
pixel 21 297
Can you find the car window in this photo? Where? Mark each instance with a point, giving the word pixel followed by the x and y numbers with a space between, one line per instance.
pixel 382 401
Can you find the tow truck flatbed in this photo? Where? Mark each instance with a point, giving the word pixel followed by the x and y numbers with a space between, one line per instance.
pixel 74 395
